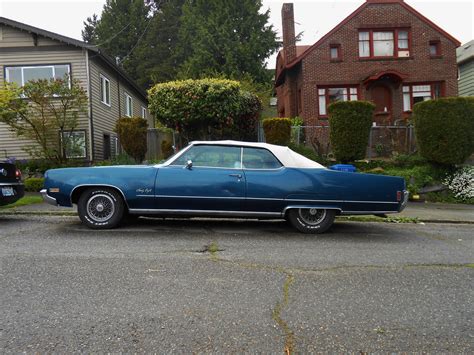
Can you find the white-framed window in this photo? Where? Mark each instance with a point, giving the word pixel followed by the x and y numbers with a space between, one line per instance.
pixel 332 94
pixel 74 144
pixel 413 94
pixel 384 43
pixel 144 112
pixel 104 90
pixel 22 74
pixel 128 105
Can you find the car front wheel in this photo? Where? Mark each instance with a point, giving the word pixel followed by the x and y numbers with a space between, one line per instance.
pixel 311 220
pixel 100 208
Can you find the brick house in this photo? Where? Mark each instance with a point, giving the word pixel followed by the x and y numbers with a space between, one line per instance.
pixel 385 52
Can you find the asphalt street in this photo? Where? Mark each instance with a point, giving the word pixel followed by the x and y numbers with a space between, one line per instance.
pixel 154 286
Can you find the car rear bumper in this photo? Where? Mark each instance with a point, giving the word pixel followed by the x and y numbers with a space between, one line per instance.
pixel 47 198
pixel 406 194
pixel 18 192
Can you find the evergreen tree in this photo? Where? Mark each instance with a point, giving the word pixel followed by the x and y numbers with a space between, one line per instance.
pixel 157 59
pixel 89 34
pixel 228 37
pixel 119 31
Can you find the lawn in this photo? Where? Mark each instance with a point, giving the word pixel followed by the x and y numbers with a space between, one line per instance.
pixel 27 200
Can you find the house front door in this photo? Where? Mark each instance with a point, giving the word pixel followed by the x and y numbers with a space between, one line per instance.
pixel 382 98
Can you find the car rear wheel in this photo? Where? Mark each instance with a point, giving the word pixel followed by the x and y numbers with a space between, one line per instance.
pixel 311 220
pixel 100 208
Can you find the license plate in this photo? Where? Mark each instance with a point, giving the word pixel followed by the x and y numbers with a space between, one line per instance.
pixel 8 191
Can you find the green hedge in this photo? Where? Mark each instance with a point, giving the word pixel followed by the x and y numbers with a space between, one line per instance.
pixel 34 184
pixel 444 129
pixel 349 128
pixel 206 109
pixel 132 132
pixel 277 130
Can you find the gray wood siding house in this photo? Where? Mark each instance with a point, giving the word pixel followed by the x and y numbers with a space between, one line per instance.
pixel 465 59
pixel 112 94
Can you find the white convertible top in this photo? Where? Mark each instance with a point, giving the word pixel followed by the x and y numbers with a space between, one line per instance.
pixel 285 155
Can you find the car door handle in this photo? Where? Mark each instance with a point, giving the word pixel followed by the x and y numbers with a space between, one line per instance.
pixel 236 175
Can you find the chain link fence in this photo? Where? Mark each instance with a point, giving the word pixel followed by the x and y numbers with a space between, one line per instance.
pixel 384 141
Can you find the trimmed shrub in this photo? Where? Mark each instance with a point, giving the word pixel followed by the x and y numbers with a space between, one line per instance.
pixel 461 183
pixel 206 109
pixel 277 130
pixel 444 129
pixel 349 128
pixel 34 184
pixel 166 149
pixel 132 134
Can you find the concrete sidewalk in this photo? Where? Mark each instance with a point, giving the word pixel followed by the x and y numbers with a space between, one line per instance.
pixel 423 211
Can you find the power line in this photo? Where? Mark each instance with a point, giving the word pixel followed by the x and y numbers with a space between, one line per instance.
pixel 136 43
pixel 115 35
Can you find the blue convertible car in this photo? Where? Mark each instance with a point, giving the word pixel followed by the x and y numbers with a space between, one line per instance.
pixel 225 179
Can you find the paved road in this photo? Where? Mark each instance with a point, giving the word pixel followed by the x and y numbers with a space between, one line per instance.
pixel 150 287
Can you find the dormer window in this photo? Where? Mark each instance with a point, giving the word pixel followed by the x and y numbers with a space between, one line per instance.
pixel 384 43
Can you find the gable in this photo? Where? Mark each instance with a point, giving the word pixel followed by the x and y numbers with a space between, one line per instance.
pixel 369 15
pixel 12 37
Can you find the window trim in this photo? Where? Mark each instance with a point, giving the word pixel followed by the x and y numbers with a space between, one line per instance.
pixel 103 80
pixel 348 87
pixel 83 131
pixel 396 48
pixel 432 92
pixel 128 105
pixel 143 112
pixel 42 65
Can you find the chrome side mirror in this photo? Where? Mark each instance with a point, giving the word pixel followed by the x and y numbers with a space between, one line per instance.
pixel 189 164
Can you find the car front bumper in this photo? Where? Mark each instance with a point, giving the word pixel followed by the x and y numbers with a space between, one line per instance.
pixel 47 198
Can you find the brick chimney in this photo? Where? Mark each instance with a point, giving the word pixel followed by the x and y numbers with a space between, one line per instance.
pixel 289 41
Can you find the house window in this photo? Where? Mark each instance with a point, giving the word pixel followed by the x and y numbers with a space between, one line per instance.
pixel 105 90
pixel 128 105
pixel 335 52
pixel 22 74
pixel 435 48
pixel 143 112
pixel 74 144
pixel 413 94
pixel 329 95
pixel 386 43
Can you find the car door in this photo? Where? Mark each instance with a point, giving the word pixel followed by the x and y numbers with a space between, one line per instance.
pixel 267 180
pixel 203 178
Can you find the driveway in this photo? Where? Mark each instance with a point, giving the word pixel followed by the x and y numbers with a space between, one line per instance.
pixel 154 287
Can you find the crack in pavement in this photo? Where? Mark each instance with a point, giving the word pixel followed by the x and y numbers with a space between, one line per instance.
pixel 277 317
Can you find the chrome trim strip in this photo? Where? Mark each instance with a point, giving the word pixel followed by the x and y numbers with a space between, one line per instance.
pixel 310 206
pixel 203 197
pixel 11 183
pixel 366 212
pixel 393 203
pixel 269 199
pixel 47 198
pixel 204 212
pixel 103 185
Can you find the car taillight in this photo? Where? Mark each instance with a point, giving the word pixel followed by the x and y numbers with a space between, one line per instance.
pixel 399 196
pixel 18 174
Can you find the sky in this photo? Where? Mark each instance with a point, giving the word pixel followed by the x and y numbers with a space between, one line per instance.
pixel 313 17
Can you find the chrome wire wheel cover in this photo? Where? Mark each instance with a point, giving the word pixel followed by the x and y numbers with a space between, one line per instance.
pixel 312 216
pixel 100 207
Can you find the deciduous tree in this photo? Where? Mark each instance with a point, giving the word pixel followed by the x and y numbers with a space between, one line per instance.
pixel 45 112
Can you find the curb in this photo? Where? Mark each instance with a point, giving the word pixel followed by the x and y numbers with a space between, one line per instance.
pixel 73 213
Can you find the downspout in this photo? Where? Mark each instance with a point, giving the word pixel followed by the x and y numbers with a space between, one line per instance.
pixel 119 145
pixel 91 123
